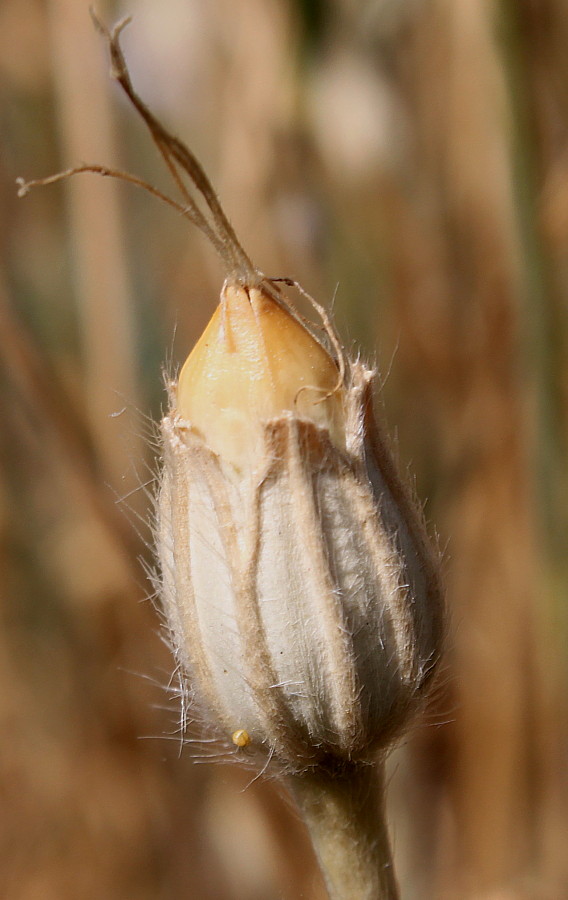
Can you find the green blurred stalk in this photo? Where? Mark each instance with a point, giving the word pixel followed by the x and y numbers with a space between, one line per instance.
pixel 344 814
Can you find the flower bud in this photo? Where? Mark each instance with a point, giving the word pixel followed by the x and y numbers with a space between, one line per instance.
pixel 300 591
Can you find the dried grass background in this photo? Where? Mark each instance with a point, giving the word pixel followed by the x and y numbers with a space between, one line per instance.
pixel 412 155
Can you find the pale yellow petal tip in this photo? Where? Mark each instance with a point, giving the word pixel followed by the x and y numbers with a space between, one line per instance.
pixel 255 361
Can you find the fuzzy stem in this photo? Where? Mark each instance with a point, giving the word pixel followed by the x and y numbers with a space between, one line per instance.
pixel 344 814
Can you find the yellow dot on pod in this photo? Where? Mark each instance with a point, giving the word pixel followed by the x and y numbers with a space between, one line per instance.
pixel 241 738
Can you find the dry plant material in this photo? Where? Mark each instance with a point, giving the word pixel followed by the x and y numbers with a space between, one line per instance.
pixel 300 592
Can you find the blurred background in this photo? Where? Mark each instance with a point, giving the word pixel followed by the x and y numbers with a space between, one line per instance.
pixel 407 161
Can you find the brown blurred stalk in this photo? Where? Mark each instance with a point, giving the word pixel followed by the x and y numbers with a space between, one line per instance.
pixel 107 316
pixel 461 315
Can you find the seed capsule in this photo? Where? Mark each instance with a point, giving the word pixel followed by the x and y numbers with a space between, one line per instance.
pixel 300 590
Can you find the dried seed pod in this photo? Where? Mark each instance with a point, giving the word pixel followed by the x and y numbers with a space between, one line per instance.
pixel 301 594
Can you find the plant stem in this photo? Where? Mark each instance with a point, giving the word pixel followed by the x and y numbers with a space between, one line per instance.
pixel 344 814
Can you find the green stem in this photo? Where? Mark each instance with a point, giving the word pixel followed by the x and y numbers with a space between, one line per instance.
pixel 344 814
